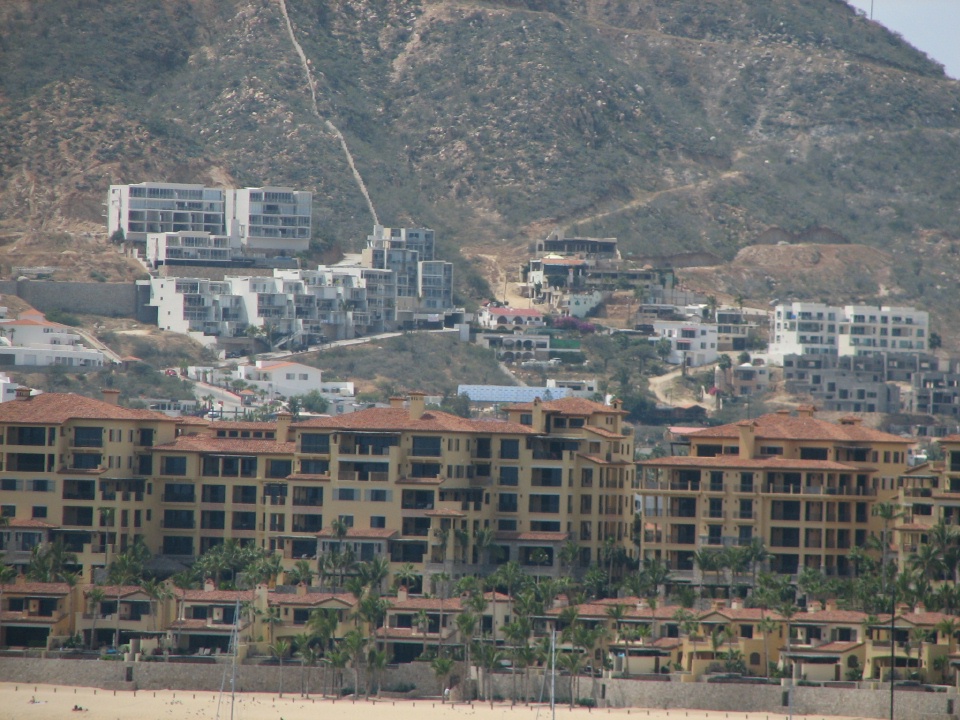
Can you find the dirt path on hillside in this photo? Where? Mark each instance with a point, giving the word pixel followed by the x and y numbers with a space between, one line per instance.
pixel 669 391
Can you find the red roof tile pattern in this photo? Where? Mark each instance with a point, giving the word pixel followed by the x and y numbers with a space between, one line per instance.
pixel 830 648
pixel 35 588
pixel 603 432
pixel 770 463
pixel 851 617
pixel 29 523
pixel 215 596
pixel 666 643
pixel 779 426
pixel 56 408
pixel 445 512
pixel 192 420
pixel 924 618
pixel 420 603
pixel 399 420
pixel 310 599
pixel 570 406
pixel 234 446
pixel 361 533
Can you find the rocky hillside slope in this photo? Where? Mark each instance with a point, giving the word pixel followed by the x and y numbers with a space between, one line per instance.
pixel 676 125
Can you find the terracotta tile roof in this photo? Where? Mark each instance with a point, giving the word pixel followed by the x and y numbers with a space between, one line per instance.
pixel 603 461
pixel 912 526
pixel 361 533
pixel 770 463
pixel 55 408
pixel 852 617
pixel 310 599
pixel 421 603
pixel 111 590
pixel 667 643
pixel 35 588
pixel 530 536
pixel 445 512
pixel 398 420
pixel 779 426
pixel 30 523
pixel 570 406
pixel 234 446
pixel 192 420
pixel 925 618
pixel 215 596
pixel 756 614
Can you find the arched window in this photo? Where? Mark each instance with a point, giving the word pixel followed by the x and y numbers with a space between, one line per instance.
pixel 754 658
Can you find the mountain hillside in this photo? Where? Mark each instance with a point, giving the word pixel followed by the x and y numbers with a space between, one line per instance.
pixel 675 125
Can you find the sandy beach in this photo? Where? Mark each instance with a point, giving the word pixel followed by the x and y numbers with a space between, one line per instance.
pixel 49 702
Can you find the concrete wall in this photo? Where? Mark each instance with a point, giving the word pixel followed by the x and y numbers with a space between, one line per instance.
pixel 614 693
pixel 110 299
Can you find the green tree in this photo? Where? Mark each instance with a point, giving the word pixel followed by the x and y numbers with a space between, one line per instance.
pixel 442 667
pixel 279 650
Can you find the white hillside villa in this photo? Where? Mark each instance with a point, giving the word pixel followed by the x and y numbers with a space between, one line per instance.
pixel 32 340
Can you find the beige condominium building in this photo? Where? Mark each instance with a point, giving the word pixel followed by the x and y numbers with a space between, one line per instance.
pixel 413 485
pixel 803 486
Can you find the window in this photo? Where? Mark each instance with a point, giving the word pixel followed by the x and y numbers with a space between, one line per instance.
pixel 377 495
pixel 315 443
pixel 378 521
pixel 507 525
pixel 427 446
pixel 424 470
pixel 507 502
pixel 39 511
pixel 510 449
pixel 509 476
pixel 28 436
pixel 279 468
pixel 88 437
pixel 8 511
pixel 771 450
pixel 346 494
pixel 173 465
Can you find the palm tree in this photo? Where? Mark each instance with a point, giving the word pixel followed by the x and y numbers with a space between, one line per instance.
pixel 301 573
pixel 440 581
pixel 156 591
pixel 377 662
pixel 422 622
pixel 355 645
pixel 767 626
pixel 888 512
pixel 405 575
pixel 467 626
pixel 7 575
pixel 308 658
pixel 571 663
pixel 279 649
pixel 124 571
pixel 442 667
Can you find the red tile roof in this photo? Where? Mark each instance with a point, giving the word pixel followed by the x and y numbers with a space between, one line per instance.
pixel 215 595
pixel 310 599
pixel 780 426
pixel 236 446
pixel 111 591
pixel 55 408
pixel 361 533
pixel 30 523
pixel 741 614
pixel 192 420
pixel 852 617
pixel 445 512
pixel 830 648
pixel 603 432
pixel 420 603
pixel 769 463
pixel 36 588
pixel 398 420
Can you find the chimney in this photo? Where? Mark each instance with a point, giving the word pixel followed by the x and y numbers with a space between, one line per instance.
pixel 902 609
pixel 832 605
pixel 110 396
pixel 402 593
pixel 736 604
pixel 22 393
pixel 396 402
pixel 538 414
pixel 814 606
pixel 748 439
pixel 208 585
pixel 719 604
pixel 301 589
pixel 642 604
pixel 805 411
pixel 415 404
pixel 920 608
pixel 283 426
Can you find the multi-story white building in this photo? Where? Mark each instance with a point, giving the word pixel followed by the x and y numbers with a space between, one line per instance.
pixel 265 220
pixel 191 248
pixel 801 328
pixel 691 342
pixel 275 220
pixel 507 317
pixel 154 207
pixel 33 340
pixel 279 377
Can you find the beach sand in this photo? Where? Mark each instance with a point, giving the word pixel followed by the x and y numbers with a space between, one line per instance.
pixel 49 702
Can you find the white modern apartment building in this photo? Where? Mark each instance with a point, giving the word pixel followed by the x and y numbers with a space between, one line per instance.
pixel 273 220
pixel 692 342
pixel 153 207
pixel 279 377
pixel 266 220
pixel 34 341
pixel 802 328
pixel 191 248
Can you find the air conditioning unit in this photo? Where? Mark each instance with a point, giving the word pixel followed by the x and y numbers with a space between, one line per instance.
pixel 218 614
